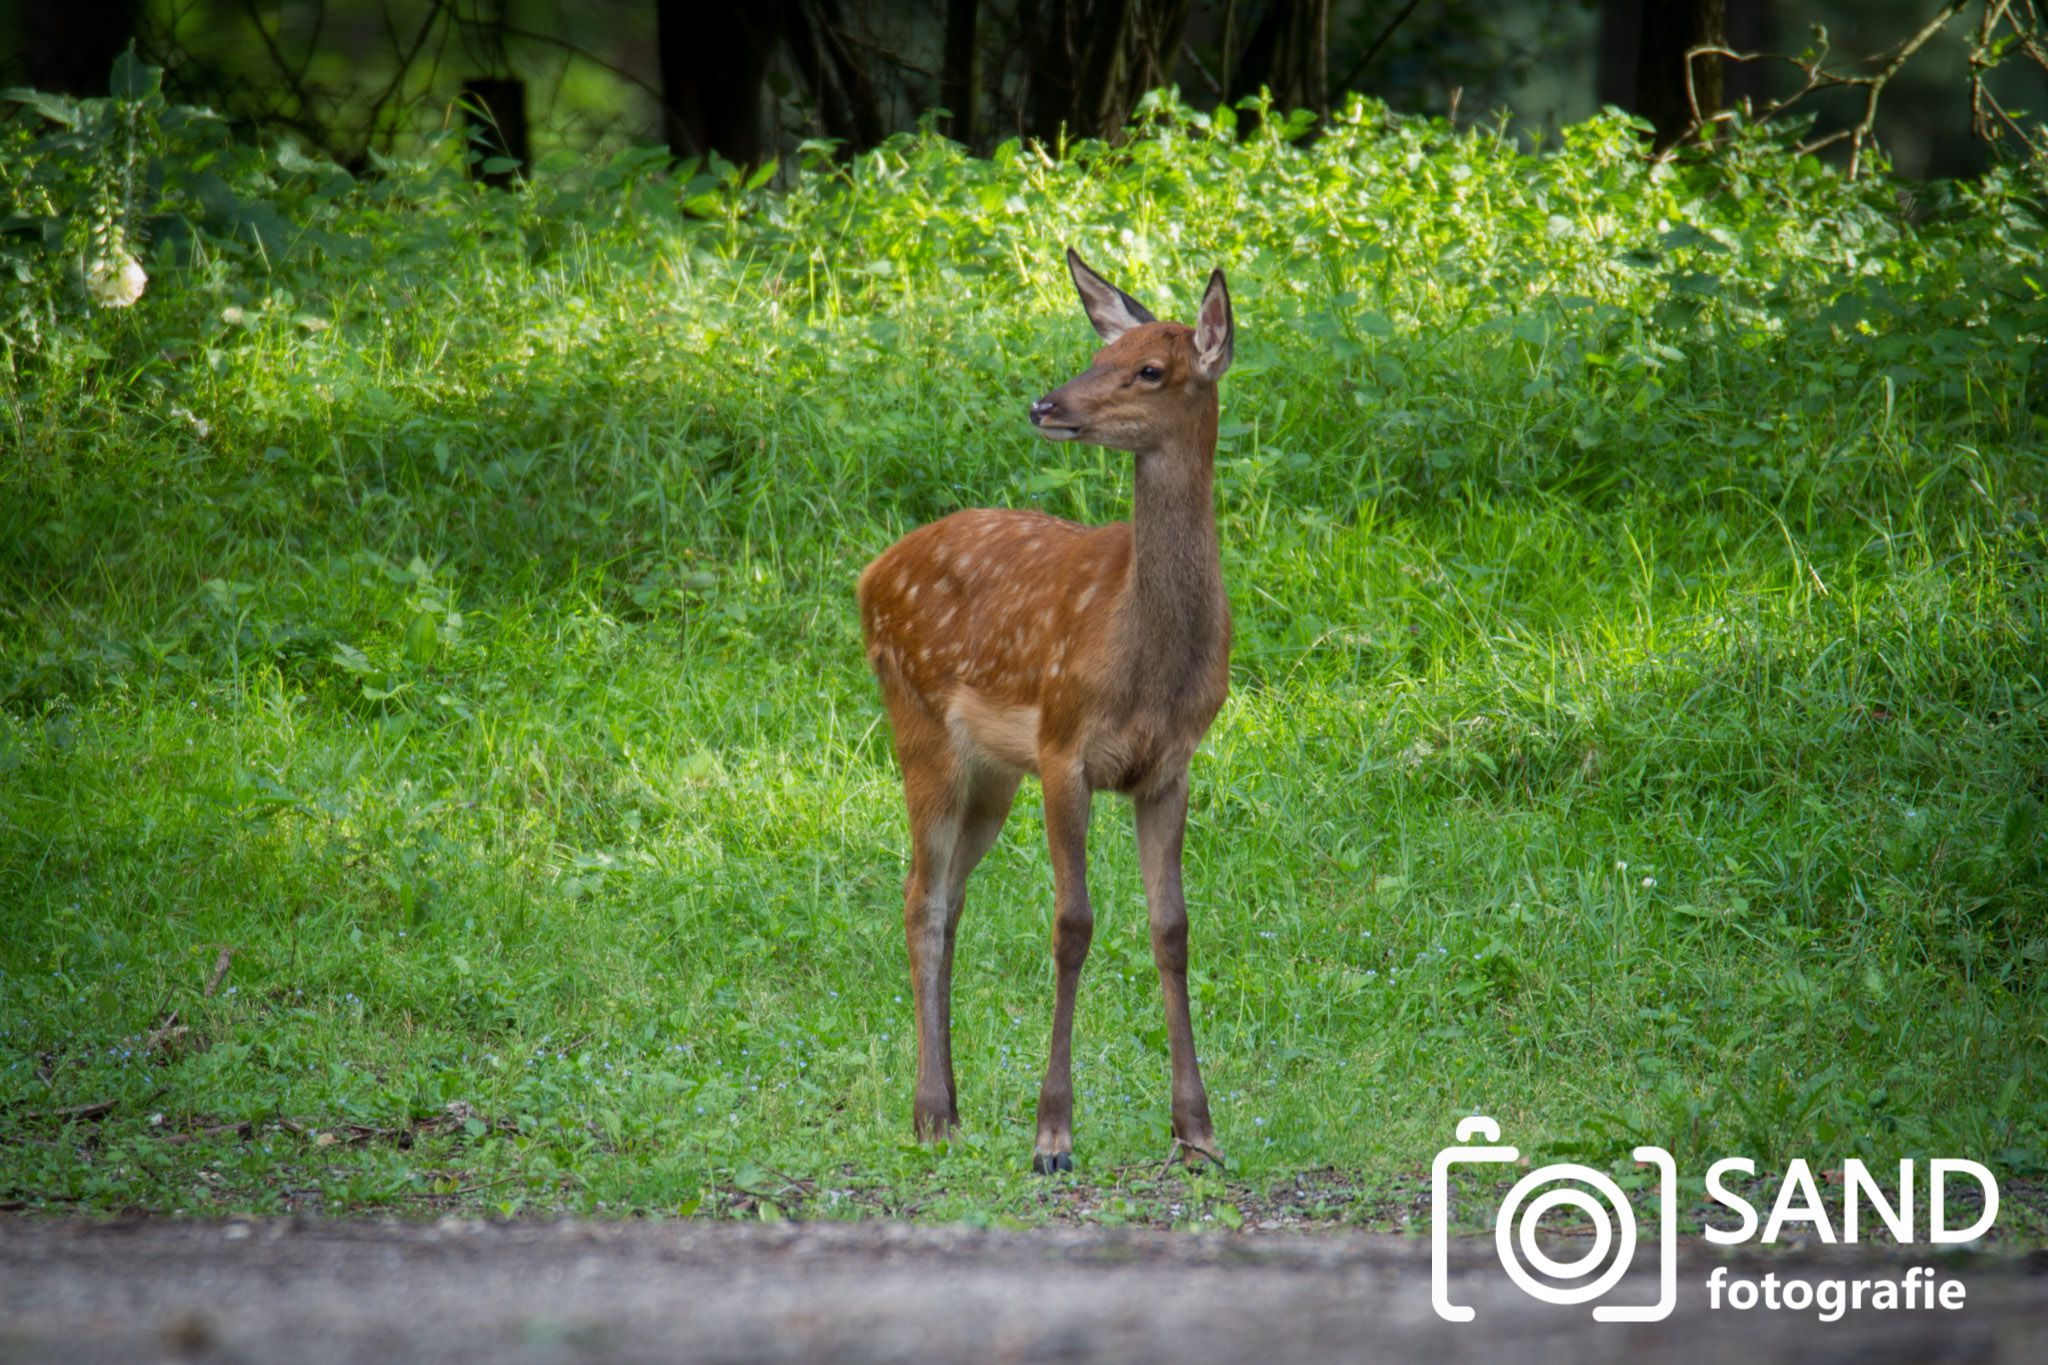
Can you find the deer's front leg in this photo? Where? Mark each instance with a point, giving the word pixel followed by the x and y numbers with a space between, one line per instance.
pixel 1073 926
pixel 1162 821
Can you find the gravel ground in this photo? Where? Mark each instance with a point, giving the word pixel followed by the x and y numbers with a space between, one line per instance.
pixel 314 1291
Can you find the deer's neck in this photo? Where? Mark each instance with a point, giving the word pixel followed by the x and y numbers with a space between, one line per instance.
pixel 1178 609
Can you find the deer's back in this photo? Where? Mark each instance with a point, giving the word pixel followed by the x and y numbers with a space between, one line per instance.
pixel 1000 601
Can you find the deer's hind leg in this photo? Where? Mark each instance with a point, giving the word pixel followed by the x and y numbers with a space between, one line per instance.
pixel 957 808
pixel 1162 827
pixel 986 806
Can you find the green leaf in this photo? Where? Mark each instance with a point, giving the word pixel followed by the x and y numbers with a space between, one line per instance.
pixel 762 174
pixel 352 659
pixel 132 79
pixel 55 108
pixel 422 640
pixel 229 215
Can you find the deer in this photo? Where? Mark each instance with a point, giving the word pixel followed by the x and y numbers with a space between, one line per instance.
pixel 1009 642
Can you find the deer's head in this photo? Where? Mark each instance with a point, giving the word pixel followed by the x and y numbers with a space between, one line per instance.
pixel 1151 382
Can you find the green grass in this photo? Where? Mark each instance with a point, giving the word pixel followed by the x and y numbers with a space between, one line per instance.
pixel 1636 730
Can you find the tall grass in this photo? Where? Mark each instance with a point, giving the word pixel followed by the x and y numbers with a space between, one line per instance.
pixel 443 599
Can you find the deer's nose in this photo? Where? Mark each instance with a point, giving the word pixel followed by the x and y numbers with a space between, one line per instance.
pixel 1042 409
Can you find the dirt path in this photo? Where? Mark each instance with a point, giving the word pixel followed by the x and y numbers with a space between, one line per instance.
pixel 361 1291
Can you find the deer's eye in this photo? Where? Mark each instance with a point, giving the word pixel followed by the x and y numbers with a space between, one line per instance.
pixel 1151 373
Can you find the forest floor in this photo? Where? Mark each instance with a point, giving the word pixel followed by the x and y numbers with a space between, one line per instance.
pixel 310 1290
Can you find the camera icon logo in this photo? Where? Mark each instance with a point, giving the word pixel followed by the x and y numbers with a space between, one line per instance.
pixel 1516 1226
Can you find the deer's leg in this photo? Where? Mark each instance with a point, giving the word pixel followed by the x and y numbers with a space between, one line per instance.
pixel 1073 926
pixel 989 794
pixel 1162 820
pixel 934 789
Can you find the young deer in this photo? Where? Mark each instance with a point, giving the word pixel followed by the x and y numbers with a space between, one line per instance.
pixel 1010 642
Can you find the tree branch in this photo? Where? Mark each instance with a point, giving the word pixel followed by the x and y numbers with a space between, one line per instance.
pixel 1372 50
pixel 1818 77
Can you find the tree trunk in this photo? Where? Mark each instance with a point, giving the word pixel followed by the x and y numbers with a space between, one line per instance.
pixel 1288 53
pixel 848 107
pixel 1669 28
pixel 960 81
pixel 714 69
pixel 1621 32
pixel 68 48
pixel 1093 60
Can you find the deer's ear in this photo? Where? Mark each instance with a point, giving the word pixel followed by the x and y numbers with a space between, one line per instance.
pixel 1215 332
pixel 1111 310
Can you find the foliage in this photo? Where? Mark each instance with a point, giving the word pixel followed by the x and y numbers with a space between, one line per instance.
pixel 87 186
pixel 1637 722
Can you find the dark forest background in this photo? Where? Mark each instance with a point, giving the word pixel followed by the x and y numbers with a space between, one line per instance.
pixel 750 82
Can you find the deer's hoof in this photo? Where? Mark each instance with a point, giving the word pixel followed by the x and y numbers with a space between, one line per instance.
pixel 1051 1163
pixel 1196 1151
pixel 935 1122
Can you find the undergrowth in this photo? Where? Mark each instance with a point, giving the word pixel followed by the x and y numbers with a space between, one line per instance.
pixel 442 599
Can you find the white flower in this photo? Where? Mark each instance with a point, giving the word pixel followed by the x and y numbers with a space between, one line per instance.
pixel 116 281
pixel 1649 882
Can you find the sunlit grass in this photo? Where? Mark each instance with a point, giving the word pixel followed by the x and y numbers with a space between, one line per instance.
pixel 1635 733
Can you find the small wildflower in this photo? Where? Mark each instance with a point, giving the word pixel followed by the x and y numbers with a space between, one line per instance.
pixel 116 281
